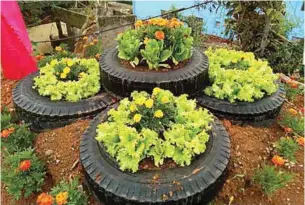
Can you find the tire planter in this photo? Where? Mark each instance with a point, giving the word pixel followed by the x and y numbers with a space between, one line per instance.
pixel 261 112
pixel 42 113
pixel 187 185
pixel 121 81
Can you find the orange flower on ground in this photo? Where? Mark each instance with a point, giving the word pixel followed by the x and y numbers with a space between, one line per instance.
pixel 45 199
pixel 294 85
pixel 25 165
pixel 5 133
pixel 159 35
pixel 287 129
pixel 300 141
pixel 293 111
pixel 62 198
pixel 277 160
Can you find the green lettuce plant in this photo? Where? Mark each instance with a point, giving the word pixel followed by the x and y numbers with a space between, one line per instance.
pixel 238 76
pixel 159 126
pixel 69 79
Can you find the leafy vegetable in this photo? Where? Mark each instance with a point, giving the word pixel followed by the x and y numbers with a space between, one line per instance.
pixel 158 126
pixel 236 75
pixel 69 79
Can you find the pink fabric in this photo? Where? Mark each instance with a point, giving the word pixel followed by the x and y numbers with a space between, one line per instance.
pixel 16 50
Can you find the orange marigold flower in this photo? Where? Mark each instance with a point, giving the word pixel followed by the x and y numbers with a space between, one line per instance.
pixel 293 111
pixel 45 199
pixel 287 129
pixel 277 160
pixel 159 35
pixel 25 165
pixel 97 56
pixel 138 23
pixel 294 85
pixel 62 198
pixel 5 133
pixel 11 129
pixel 300 141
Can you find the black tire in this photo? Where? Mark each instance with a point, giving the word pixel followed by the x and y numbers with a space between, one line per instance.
pixel 261 112
pixel 42 113
pixel 122 81
pixel 199 182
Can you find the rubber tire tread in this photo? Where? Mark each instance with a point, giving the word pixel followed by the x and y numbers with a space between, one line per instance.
pixel 121 81
pixel 260 113
pixel 200 181
pixel 42 113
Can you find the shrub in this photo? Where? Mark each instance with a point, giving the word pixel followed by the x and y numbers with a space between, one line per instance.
pixel 157 42
pixel 270 179
pixel 17 138
pixel 93 47
pixel 293 121
pixel 6 118
pixel 22 173
pixel 69 79
pixel 69 192
pixel 236 75
pixel 287 148
pixel 293 89
pixel 288 58
pixel 158 126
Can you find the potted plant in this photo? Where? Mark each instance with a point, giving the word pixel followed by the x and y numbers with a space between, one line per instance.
pixel 153 149
pixel 242 88
pixel 157 53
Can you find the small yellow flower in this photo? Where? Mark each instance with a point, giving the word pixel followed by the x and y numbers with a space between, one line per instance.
pixel 138 23
pixel 85 46
pixel 146 40
pixel 66 70
pixel 85 38
pixel 63 75
pixel 62 198
pixel 137 117
pixel 82 74
pixel 293 111
pixel 159 114
pixel 156 91
pixel 95 40
pixel 133 108
pixel 70 62
pixel 140 101
pixel 98 55
pixel 53 62
pixel 91 44
pixel 149 103
pixel 58 48
pixel 165 99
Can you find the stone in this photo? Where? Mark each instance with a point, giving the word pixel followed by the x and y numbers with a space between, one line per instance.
pixel 49 152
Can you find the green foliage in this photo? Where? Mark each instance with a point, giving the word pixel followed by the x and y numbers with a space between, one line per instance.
pixel 288 58
pixel 75 195
pixel 157 42
pixel 129 46
pixel 292 92
pixel 93 48
pixel 287 147
pixel 158 126
pixel 22 183
pixel 236 75
pixel 270 179
pixel 295 122
pixel 197 26
pixel 6 118
pixel 154 54
pixel 21 138
pixel 69 79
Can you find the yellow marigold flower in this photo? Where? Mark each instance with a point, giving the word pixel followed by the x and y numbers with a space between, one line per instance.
pixel 70 62
pixel 85 46
pixel 140 101
pixel 138 23
pixel 165 99
pixel 62 198
pixel 91 44
pixel 133 107
pixel 66 70
pixel 58 48
pixel 53 62
pixel 156 91
pixel 293 111
pixel 149 103
pixel 82 74
pixel 146 40
pixel 158 114
pixel 137 117
pixel 63 75
pixel 95 40
pixel 85 38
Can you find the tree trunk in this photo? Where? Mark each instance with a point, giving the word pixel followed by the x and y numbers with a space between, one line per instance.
pixel 266 31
